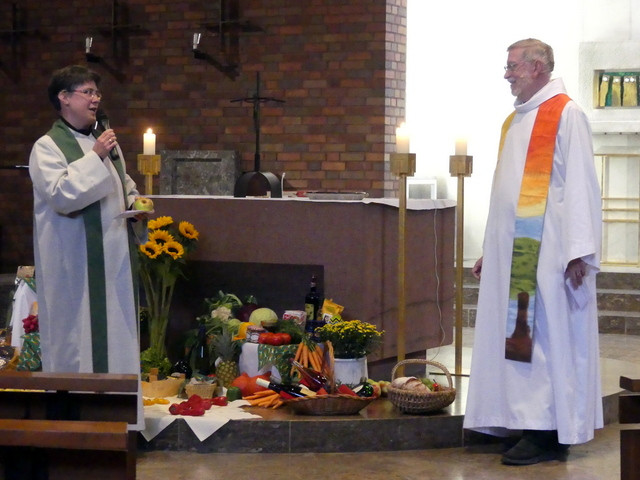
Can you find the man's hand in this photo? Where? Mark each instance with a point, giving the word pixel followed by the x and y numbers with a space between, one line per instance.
pixel 576 270
pixel 476 271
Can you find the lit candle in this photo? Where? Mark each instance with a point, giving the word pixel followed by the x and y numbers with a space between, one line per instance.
pixel 402 139
pixel 461 146
pixel 149 143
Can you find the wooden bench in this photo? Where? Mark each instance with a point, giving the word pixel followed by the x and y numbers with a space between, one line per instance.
pixel 629 412
pixel 76 422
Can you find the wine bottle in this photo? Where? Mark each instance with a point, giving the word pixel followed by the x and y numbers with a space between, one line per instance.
pixel 292 390
pixel 312 306
pixel 202 363
pixel 314 379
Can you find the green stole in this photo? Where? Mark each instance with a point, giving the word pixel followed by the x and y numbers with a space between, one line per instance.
pixel 528 227
pixel 91 215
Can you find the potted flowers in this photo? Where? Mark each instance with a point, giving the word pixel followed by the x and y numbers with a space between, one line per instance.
pixel 352 341
pixel 162 260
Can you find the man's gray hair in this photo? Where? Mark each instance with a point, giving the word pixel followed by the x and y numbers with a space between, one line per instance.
pixel 535 49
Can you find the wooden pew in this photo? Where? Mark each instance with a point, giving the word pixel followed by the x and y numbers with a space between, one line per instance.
pixel 68 425
pixel 629 412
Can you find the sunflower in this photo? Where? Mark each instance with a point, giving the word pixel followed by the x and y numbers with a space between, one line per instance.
pixel 162 261
pixel 188 230
pixel 175 249
pixel 159 222
pixel 151 249
pixel 161 237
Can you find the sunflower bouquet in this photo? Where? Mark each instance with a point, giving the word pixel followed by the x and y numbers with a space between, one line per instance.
pixel 162 261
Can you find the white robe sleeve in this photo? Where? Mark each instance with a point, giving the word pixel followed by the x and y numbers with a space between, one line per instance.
pixel 68 187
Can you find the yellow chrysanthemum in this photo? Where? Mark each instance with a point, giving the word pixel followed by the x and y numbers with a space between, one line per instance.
pixel 175 249
pixel 160 237
pixel 159 222
pixel 188 230
pixel 151 249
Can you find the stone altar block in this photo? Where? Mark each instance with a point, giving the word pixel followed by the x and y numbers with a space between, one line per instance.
pixel 198 172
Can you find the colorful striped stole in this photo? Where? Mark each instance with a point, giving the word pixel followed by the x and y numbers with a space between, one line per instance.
pixel 530 211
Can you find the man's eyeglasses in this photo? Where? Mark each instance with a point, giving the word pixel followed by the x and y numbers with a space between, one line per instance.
pixel 512 67
pixel 90 92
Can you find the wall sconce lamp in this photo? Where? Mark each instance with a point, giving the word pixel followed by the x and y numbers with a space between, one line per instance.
pixel 229 70
pixel 197 53
pixel 88 42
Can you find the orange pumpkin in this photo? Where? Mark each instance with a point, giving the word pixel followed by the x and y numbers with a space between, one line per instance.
pixel 248 385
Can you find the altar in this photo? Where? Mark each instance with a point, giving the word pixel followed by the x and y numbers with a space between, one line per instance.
pixel 270 247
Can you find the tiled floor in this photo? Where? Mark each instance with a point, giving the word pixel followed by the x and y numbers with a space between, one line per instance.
pixel 598 459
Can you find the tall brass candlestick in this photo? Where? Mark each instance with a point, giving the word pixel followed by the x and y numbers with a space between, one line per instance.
pixel 459 166
pixel 148 165
pixel 402 165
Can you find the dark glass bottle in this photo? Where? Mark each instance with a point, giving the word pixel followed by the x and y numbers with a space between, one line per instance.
pixel 312 306
pixel 312 378
pixel 202 362
pixel 291 390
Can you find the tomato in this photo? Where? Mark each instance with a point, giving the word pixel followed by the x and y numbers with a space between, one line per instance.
pixel 265 338
pixel 276 339
pixel 219 401
pixel 286 338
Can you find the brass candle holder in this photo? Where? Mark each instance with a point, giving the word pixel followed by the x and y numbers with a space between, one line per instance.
pixel 403 165
pixel 148 165
pixel 459 166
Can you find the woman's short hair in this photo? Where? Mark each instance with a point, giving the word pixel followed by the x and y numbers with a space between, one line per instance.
pixel 68 78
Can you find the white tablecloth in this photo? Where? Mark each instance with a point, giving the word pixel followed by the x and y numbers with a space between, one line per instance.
pixel 157 418
pixel 249 362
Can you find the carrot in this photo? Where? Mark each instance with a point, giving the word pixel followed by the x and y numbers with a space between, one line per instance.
pixel 315 361
pixel 305 356
pixel 260 394
pixel 264 401
pixel 296 357
pixel 272 400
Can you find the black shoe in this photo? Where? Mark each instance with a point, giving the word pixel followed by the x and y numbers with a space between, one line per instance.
pixel 535 447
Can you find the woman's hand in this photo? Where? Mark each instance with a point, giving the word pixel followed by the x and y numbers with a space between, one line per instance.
pixel 106 142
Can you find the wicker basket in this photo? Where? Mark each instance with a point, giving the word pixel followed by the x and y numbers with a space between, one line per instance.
pixel 203 390
pixel 168 387
pixel 333 404
pixel 409 401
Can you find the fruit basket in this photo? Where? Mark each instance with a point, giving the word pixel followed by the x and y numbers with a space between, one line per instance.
pixel 203 390
pixel 168 387
pixel 410 401
pixel 332 404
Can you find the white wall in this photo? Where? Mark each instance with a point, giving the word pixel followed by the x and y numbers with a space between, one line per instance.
pixel 455 85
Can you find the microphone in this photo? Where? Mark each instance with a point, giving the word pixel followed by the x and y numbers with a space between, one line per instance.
pixel 102 124
pixel 102 119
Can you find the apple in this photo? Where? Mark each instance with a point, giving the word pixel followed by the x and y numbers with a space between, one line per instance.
pixel 143 203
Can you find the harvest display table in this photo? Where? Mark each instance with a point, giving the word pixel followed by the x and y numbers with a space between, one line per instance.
pixel 351 245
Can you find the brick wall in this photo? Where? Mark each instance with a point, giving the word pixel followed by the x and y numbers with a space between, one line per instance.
pixel 339 66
